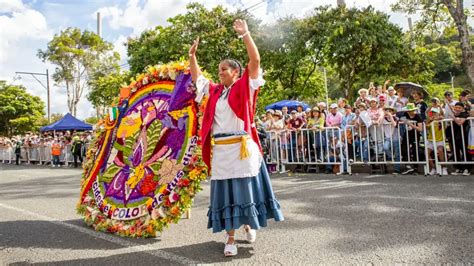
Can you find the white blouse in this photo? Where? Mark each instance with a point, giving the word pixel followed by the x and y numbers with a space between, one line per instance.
pixel 226 162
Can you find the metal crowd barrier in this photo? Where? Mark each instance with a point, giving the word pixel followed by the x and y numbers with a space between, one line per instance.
pixel 375 146
pixel 386 144
pixel 455 143
pixel 305 147
pixel 36 155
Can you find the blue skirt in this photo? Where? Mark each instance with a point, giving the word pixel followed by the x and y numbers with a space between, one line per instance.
pixel 239 201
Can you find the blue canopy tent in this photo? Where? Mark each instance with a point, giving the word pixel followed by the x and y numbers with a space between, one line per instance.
pixel 291 104
pixel 68 122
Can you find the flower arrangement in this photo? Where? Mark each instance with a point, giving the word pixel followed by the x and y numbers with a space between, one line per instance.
pixel 144 176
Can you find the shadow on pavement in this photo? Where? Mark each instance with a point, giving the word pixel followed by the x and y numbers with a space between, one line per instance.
pixel 132 258
pixel 44 234
pixel 383 214
pixel 211 252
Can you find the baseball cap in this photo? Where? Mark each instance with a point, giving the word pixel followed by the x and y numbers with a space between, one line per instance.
pixel 333 105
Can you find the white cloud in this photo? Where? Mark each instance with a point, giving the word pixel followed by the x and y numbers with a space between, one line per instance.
pixel 139 18
pixel 23 32
pixel 21 27
pixel 119 47
pixel 11 6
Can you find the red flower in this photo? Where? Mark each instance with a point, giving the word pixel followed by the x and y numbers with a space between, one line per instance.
pixel 167 202
pixel 183 183
pixel 148 185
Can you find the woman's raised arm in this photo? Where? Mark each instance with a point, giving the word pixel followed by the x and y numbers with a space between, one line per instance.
pixel 240 26
pixel 193 64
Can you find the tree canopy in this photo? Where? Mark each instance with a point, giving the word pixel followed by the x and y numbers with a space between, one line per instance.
pixel 355 46
pixel 19 110
pixel 78 55
pixel 439 14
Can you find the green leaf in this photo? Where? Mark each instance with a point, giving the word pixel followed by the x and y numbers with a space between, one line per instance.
pixel 110 173
pixel 126 150
pixel 155 167
pixel 153 134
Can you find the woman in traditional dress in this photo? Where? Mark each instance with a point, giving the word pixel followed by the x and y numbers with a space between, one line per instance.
pixel 241 192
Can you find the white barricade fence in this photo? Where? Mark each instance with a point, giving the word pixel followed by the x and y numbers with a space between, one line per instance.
pixel 6 154
pixel 398 143
pixel 305 147
pixel 457 135
pixel 40 154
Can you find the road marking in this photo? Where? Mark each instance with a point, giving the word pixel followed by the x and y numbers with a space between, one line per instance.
pixel 110 238
pixel 428 199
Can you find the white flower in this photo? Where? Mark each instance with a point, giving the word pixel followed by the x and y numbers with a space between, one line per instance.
pixel 172 74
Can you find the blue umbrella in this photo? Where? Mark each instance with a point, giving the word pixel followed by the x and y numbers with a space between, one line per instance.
pixel 291 104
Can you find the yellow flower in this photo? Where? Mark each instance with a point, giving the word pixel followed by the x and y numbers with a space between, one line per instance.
pixel 194 174
pixel 133 181
pixel 140 77
pixel 151 69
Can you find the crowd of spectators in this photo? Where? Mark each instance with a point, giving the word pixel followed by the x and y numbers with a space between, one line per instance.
pixel 381 122
pixel 51 145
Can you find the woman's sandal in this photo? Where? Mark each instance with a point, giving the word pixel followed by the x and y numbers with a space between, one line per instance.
pixel 251 234
pixel 230 250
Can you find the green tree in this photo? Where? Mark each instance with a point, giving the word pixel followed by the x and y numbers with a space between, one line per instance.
pixel 433 11
pixel 19 110
pixel 105 88
pixel 292 57
pixel 54 118
pixel 171 43
pixel 361 44
pixel 92 120
pixel 438 90
pixel 77 56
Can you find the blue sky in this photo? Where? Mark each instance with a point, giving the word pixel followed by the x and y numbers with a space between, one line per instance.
pixel 28 25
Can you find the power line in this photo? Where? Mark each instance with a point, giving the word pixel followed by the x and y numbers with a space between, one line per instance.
pixel 253 6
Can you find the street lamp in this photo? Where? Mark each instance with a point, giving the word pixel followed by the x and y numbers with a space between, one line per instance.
pixel 326 86
pixel 46 87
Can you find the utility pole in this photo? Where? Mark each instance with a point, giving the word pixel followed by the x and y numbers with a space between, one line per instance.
pixel 99 25
pixel 99 32
pixel 412 38
pixel 452 80
pixel 47 87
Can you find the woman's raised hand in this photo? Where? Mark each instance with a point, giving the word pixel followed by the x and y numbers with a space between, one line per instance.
pixel 240 26
pixel 193 49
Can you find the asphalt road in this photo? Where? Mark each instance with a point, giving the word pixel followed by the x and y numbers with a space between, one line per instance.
pixel 329 220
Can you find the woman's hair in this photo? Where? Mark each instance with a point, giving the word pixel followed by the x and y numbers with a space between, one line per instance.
pixel 234 64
